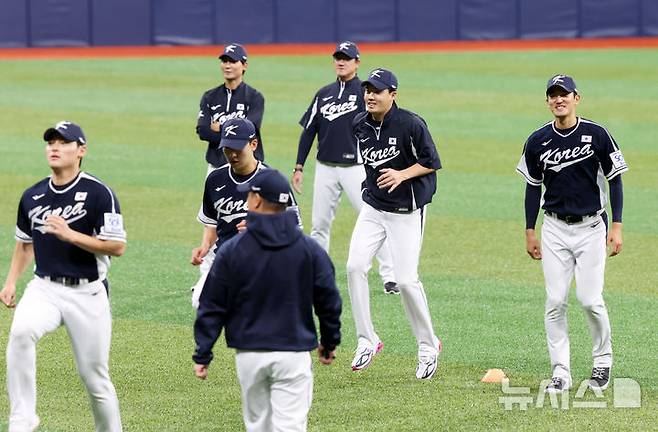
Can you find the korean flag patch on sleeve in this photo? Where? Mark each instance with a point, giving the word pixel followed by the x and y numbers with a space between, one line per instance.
pixel 618 160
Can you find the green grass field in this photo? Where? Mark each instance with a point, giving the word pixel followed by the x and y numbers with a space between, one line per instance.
pixel 486 296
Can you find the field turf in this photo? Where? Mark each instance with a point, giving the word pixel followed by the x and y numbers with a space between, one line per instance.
pixel 486 296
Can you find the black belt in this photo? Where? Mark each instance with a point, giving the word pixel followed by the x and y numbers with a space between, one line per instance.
pixel 570 219
pixel 67 281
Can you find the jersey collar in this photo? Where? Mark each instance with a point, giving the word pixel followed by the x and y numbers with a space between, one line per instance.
pixel 67 188
pixel 556 130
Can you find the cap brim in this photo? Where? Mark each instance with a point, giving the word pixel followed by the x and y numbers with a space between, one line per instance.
pixel 566 89
pixel 376 84
pixel 231 56
pixel 233 144
pixel 52 133
pixel 345 54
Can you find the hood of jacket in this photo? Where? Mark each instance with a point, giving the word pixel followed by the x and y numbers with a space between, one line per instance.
pixel 274 230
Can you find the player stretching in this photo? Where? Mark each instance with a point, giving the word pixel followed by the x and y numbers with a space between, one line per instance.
pixel 71 224
pixel 573 157
pixel 330 117
pixel 233 99
pixel 400 160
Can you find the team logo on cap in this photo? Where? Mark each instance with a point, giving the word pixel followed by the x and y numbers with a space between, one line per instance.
pixel 376 73
pixel 230 48
pixel 228 130
pixel 558 79
pixel 62 125
pixel 344 46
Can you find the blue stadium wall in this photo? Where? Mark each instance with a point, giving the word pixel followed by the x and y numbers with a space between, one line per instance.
pixel 45 23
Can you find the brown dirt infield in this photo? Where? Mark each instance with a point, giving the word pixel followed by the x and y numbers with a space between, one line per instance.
pixel 320 49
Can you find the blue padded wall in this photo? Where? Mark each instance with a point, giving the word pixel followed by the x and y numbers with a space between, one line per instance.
pixel 541 19
pixel 427 20
pixel 367 20
pixel 132 17
pixel 486 19
pixel 59 23
pixel 610 18
pixel 311 21
pixel 246 21
pixel 650 17
pixel 188 22
pixel 13 24
pixel 46 23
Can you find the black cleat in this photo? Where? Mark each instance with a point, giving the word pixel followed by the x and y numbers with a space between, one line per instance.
pixel 600 378
pixel 391 288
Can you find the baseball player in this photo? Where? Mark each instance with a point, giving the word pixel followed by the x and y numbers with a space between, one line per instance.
pixel 573 158
pixel 263 287
pixel 330 117
pixel 400 160
pixel 233 99
pixel 71 224
pixel 224 207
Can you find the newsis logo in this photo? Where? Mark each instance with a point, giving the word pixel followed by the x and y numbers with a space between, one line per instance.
pixel 375 158
pixel 222 117
pixel 332 111
pixel 70 213
pixel 229 209
pixel 556 159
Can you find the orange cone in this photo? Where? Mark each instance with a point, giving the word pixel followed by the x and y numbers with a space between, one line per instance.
pixel 493 376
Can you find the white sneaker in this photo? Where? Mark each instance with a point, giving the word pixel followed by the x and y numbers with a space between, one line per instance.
pixel 364 354
pixel 558 385
pixel 428 362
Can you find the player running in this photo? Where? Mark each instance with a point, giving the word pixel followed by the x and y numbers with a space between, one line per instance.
pixel 71 224
pixel 330 117
pixel 233 99
pixel 400 160
pixel 573 158
pixel 224 207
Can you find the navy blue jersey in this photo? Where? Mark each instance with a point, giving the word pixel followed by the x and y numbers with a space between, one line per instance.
pixel 330 117
pixel 224 206
pixel 89 207
pixel 572 165
pixel 263 287
pixel 220 104
pixel 398 142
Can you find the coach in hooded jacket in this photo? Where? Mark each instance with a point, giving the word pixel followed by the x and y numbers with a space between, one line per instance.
pixel 263 287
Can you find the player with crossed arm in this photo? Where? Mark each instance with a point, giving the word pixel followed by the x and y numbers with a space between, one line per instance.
pixel 400 160
pixel 233 99
pixel 224 207
pixel 70 223
pixel 330 117
pixel 573 158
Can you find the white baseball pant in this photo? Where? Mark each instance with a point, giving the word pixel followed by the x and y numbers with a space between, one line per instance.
pixel 404 232
pixel 277 389
pixel 327 186
pixel 567 250
pixel 204 269
pixel 85 312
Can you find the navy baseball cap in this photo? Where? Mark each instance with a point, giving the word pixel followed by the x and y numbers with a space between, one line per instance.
pixel 563 81
pixel 67 130
pixel 236 133
pixel 270 184
pixel 347 48
pixel 381 79
pixel 235 52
